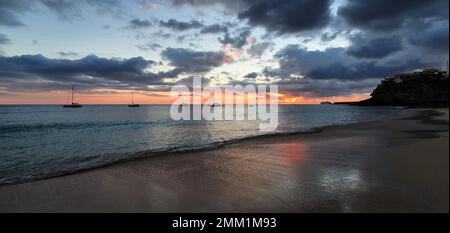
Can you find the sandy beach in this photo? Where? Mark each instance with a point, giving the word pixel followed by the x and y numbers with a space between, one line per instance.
pixel 397 164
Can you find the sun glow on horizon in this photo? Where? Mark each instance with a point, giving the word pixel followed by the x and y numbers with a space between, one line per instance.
pixel 105 96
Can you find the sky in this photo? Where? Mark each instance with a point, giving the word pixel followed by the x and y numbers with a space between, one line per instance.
pixel 314 50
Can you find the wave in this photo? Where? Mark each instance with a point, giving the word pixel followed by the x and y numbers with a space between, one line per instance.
pixel 84 125
pixel 104 160
pixel 80 164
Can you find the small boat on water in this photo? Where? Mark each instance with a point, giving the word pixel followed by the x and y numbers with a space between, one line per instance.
pixel 133 105
pixel 73 104
pixel 214 103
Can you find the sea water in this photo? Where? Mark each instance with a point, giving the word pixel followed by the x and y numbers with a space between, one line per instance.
pixel 42 141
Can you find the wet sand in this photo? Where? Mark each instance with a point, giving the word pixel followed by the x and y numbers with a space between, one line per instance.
pixel 398 164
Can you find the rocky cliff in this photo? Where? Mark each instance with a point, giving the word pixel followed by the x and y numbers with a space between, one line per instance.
pixel 428 88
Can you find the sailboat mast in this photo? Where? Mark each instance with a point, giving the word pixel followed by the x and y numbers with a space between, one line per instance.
pixel 72 94
pixel 132 98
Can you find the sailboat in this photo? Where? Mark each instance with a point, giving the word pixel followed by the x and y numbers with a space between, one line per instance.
pixel 133 105
pixel 73 104
pixel 214 104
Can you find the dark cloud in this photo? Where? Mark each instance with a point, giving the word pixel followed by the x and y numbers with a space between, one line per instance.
pixel 389 15
pixel 139 24
pixel 258 49
pixel 9 11
pixel 196 2
pixel 68 54
pixel 231 5
pixel 214 28
pixel 40 73
pixel 374 48
pixel 188 81
pixel 327 37
pixel 251 75
pixel 4 39
pixel 281 16
pixel 237 41
pixel 194 61
pixel 312 88
pixel 326 88
pixel 364 70
pixel 434 38
pixel 287 16
pixel 335 63
pixel 180 25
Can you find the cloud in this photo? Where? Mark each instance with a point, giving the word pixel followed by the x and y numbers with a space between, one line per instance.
pixel 434 37
pixel 68 54
pixel 160 34
pixel 258 49
pixel 149 47
pixel 251 75
pixel 188 81
pixel 139 24
pixel 237 41
pixel 280 16
pixel 179 25
pixel 374 48
pixel 335 63
pixel 327 37
pixel 36 72
pixel 287 16
pixel 194 61
pixel 383 38
pixel 214 28
pixel 147 4
pixel 67 9
pixel 326 88
pixel 386 15
pixel 9 11
pixel 228 4
pixel 3 40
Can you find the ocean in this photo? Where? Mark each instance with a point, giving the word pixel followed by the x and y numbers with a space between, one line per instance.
pixel 43 141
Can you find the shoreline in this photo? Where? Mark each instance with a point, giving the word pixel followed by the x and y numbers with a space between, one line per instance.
pixel 152 154
pixel 271 168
